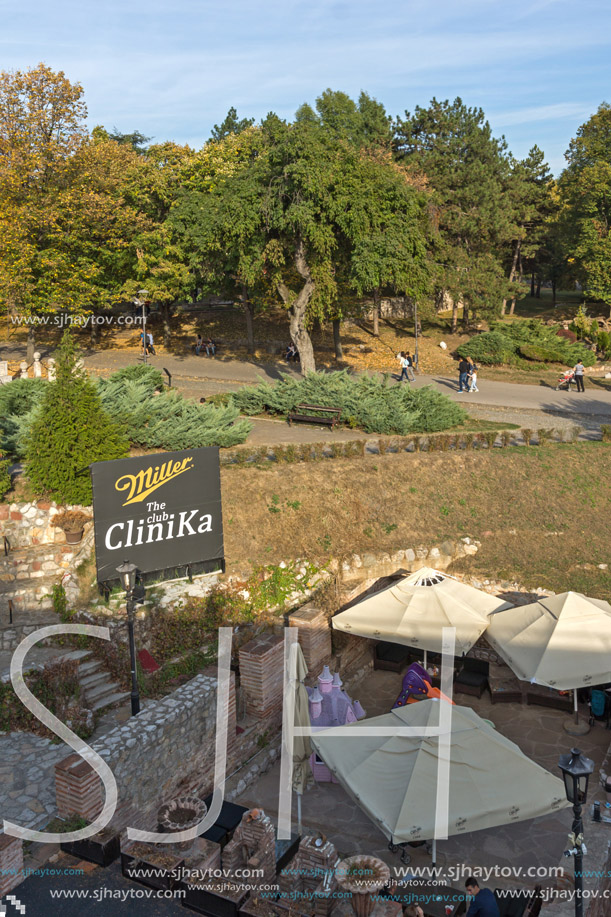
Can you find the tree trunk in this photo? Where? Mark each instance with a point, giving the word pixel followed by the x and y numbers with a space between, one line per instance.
pixel 512 307
pixel 376 312
pixel 93 331
pixel 31 345
pixel 465 315
pixel 454 327
pixel 538 290
pixel 532 284
pixel 249 314
pixel 554 293
pixel 166 314
pixel 512 272
pixel 337 342
pixel 297 309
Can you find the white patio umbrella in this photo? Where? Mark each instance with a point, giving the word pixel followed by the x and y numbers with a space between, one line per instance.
pixel 393 778
pixel 562 641
pixel 414 610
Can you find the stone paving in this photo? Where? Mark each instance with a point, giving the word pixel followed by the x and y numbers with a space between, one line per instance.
pixel 27 778
pixel 539 842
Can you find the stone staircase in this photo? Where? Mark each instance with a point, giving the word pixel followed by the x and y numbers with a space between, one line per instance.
pixel 98 691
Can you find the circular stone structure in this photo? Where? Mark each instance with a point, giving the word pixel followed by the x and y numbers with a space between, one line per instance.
pixel 181 813
pixel 363 876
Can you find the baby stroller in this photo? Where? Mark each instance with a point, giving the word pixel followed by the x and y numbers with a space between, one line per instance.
pixel 565 380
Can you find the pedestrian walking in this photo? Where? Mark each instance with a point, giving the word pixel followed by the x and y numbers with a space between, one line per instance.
pixel 579 370
pixel 410 366
pixel 473 379
pixel 403 363
pixel 463 375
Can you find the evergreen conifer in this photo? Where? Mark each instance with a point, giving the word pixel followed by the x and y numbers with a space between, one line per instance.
pixel 69 432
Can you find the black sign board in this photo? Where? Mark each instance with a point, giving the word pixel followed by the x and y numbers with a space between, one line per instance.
pixel 161 512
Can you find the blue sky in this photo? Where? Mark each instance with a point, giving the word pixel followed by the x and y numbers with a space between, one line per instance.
pixel 171 70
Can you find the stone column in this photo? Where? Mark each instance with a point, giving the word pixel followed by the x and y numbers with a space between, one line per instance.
pixel 262 674
pixel 78 789
pixel 37 367
pixel 314 635
pixel 23 370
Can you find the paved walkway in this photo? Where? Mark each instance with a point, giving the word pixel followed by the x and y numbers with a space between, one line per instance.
pixel 201 376
pixel 27 778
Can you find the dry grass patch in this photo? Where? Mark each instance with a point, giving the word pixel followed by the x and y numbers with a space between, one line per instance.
pixel 540 513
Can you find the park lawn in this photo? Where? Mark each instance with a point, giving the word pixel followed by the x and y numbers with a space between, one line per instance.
pixel 540 512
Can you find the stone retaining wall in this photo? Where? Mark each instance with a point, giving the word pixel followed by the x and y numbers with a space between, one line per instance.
pixel 26 524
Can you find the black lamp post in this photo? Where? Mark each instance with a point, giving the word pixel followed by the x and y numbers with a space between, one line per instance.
pixel 576 770
pixel 127 572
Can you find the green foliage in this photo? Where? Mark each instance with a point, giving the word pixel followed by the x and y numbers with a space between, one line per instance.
pixel 165 419
pixel 60 605
pixel 603 343
pixel 378 406
pixel 140 372
pixel 56 686
pixel 532 340
pixel 605 429
pixel 69 431
pixel 5 477
pixel 17 400
pixel 492 347
pixel 540 354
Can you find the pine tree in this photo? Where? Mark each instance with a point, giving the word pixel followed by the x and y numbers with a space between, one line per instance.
pixel 70 431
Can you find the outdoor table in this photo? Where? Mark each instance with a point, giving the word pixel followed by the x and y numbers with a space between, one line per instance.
pixel 431 897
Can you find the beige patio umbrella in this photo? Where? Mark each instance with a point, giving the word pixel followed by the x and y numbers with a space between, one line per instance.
pixel 414 610
pixel 393 778
pixel 562 641
pixel 302 749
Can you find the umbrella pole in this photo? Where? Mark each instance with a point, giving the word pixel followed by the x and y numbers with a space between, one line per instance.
pixel 299 827
pixel 575 708
pixel 434 853
pixel 425 659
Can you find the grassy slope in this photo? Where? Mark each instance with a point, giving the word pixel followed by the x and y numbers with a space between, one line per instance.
pixel 540 513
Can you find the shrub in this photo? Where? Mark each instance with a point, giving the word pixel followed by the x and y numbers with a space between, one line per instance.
pixel 5 477
pixel 378 406
pixel 540 354
pixel 140 372
pixel 167 420
pixel 605 429
pixel 490 437
pixel 69 431
pixel 491 347
pixel 17 402
pixel 603 343
pixel 527 435
pixel 506 437
pixel 71 520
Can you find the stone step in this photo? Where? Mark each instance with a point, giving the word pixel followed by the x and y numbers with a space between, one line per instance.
pixel 78 655
pixel 101 688
pixel 90 681
pixel 110 699
pixel 89 667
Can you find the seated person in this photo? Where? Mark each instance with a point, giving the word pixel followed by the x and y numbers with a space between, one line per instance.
pixel 413 910
pixel 198 344
pixel 484 903
pixel 210 347
pixel 290 352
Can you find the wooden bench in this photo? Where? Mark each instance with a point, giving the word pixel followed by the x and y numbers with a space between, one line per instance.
pixel 302 412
